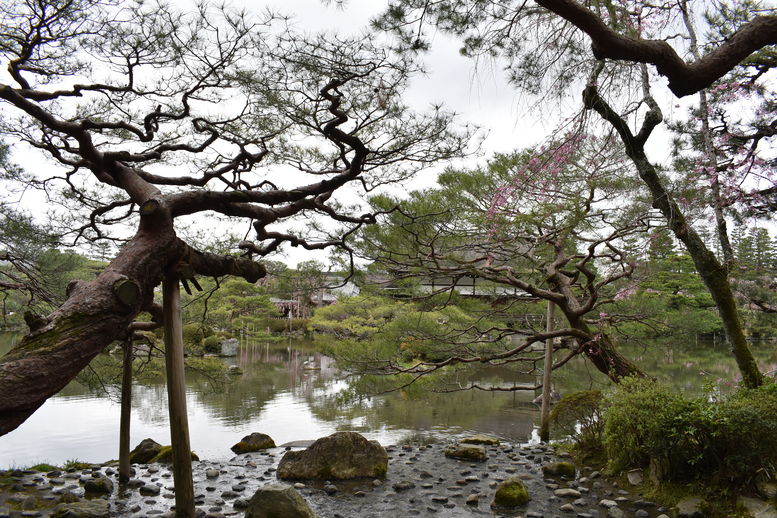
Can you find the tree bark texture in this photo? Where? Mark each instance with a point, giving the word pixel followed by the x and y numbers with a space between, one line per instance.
pixel 97 313
pixel 176 398
pixel 712 272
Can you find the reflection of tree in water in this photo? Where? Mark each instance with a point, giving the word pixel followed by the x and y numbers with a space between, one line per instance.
pixel 426 407
pixel 684 366
pixel 271 370
pixel 268 370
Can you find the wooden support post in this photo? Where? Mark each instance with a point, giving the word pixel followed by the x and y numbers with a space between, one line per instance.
pixel 548 368
pixel 176 398
pixel 126 412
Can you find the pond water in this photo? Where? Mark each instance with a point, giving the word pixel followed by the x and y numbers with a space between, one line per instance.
pixel 291 392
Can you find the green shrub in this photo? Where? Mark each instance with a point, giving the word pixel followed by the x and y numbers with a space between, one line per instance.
pixel 212 344
pixel 281 325
pixel 579 416
pixel 728 441
pixel 195 332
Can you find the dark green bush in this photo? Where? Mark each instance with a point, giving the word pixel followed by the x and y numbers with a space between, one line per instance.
pixel 579 415
pixel 195 332
pixel 728 441
pixel 280 325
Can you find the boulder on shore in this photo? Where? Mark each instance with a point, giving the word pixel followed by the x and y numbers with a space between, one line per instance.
pixel 165 456
pixel 340 456
pixel 469 452
pixel 277 500
pixel 229 347
pixel 254 442
pixel 511 493
pixel 145 451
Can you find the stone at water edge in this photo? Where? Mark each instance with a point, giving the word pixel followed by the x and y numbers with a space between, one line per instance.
pixel 229 347
pixel 146 450
pixel 165 456
pixel 756 507
pixel 470 452
pixel 691 507
pixel 767 490
pixel 97 508
pixel 559 469
pixel 635 477
pixel 276 500
pixel 254 442
pixel 511 493
pixel 340 456
pixel 102 485
pixel 480 439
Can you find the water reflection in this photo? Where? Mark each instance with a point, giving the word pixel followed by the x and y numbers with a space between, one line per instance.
pixel 292 392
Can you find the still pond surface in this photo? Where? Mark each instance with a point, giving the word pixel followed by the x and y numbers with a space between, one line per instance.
pixel 291 392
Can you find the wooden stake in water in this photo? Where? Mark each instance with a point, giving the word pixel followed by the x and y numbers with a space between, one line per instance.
pixel 548 368
pixel 126 412
pixel 176 397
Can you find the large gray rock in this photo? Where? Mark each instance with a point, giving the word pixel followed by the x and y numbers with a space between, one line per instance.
pixel 145 451
pixel 254 442
pixel 340 456
pixel 691 507
pixel 278 501
pixel 97 508
pixel 757 508
pixel 229 347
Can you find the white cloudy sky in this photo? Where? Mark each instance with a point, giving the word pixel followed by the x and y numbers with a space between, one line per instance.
pixel 478 93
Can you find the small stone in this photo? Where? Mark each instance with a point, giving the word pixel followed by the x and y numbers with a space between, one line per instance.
pixel 473 499
pixel 240 503
pixel 102 485
pixel 402 485
pixel 150 490
pixel 608 503
pixel 690 508
pixel 567 493
pixel 330 489
pixel 468 452
pixel 439 499
pixel 614 512
pixel 212 473
pixel 480 439
pixel 635 477
pixel 641 513
pixel 559 469
pixel 567 508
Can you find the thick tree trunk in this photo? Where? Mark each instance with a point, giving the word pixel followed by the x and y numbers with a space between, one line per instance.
pixel 712 272
pixel 603 353
pixel 97 313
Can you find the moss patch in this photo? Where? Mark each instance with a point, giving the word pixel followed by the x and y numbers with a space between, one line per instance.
pixel 511 493
pixel 165 456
